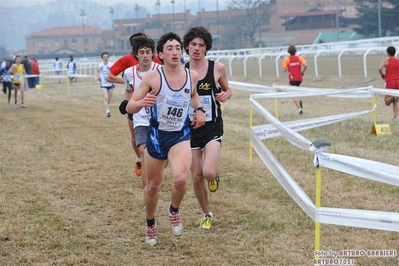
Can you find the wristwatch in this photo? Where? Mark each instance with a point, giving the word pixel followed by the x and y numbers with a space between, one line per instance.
pixel 201 109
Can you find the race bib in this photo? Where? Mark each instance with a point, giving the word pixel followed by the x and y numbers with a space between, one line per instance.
pixel 18 77
pixel 207 104
pixel 174 111
pixel 145 114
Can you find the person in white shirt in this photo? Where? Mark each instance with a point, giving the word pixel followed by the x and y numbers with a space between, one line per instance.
pixel 106 87
pixel 71 66
pixel 57 67
pixel 168 91
pixel 143 52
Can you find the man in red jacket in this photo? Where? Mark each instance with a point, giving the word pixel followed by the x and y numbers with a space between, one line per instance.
pixel 391 77
pixel 296 67
pixel 125 62
pixel 35 71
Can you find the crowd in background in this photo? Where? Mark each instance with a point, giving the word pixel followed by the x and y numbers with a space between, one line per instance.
pixel 31 68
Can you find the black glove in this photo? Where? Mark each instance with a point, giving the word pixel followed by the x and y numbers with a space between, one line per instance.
pixel 122 106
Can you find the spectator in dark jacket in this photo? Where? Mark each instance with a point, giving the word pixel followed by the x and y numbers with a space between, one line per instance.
pixel 28 69
pixel 6 78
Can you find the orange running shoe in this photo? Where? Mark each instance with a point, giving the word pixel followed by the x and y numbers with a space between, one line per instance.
pixel 137 168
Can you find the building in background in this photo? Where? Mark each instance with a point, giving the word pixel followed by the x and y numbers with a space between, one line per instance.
pixel 230 28
pixel 66 40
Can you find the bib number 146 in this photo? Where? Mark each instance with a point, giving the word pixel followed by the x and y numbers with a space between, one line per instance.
pixel 177 112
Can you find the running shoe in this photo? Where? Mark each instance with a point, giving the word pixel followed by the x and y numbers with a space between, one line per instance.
pixel 23 105
pixel 206 222
pixel 108 114
pixel 137 168
pixel 175 223
pixel 214 185
pixel 151 235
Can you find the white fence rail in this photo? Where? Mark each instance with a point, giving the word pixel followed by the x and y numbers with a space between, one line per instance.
pixel 361 48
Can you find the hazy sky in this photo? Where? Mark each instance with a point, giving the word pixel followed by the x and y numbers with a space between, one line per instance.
pixel 195 4
pixel 14 41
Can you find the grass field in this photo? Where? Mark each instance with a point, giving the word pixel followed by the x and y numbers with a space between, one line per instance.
pixel 69 195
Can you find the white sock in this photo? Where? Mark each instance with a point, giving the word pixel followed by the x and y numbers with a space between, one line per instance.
pixel 139 159
pixel 209 213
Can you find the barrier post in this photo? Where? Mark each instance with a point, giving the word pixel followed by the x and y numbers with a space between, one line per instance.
pixel 69 84
pixel 372 106
pixel 320 145
pixel 275 103
pixel 276 108
pixel 374 113
pixel 250 126
pixel 43 79
pixel 318 204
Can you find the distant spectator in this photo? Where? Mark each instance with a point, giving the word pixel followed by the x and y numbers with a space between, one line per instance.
pixel 71 66
pixel 12 59
pixel 57 67
pixel 6 78
pixel 28 69
pixel 35 71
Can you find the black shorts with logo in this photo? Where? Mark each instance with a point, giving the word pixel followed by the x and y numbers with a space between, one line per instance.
pixel 211 131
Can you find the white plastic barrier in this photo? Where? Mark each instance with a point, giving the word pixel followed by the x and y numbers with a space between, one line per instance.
pixel 359 167
pixel 269 131
pixel 339 216
pixel 372 170
pixel 385 91
pixel 250 87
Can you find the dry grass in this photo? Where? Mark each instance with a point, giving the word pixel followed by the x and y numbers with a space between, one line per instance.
pixel 69 195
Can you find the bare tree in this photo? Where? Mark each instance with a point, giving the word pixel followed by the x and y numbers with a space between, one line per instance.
pixel 256 12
